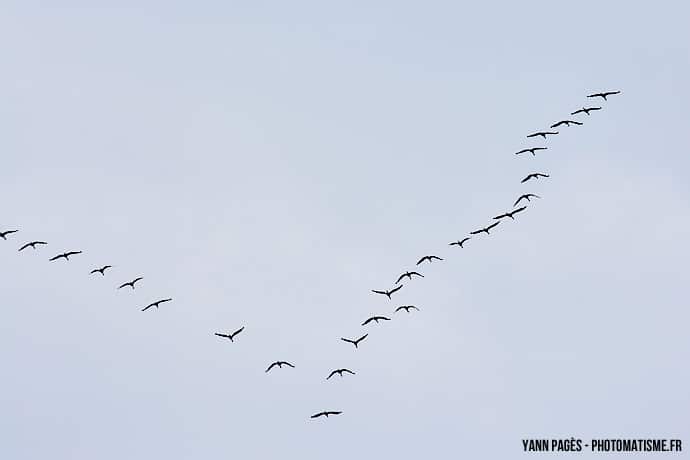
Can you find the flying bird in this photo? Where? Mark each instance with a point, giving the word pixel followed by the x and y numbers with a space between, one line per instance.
pixel 327 413
pixel 131 283
pixel 280 365
pixel 230 336
pixel 533 176
pixel 375 318
pixel 605 94
pixel 4 234
pixel 408 275
pixel 585 110
pixel 32 245
pixel 485 229
pixel 511 213
pixel 339 372
pixel 406 308
pixel 459 243
pixel 429 258
pixel 354 342
pixel 526 196
pixel 388 293
pixel 566 122
pixel 532 150
pixel 156 304
pixel 543 134
pixel 64 255
pixel 101 270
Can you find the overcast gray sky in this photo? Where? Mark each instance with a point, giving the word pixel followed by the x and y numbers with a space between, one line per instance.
pixel 266 164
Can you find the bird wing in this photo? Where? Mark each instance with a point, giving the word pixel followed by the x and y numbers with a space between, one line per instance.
pixel 137 279
pixel 435 257
pixel 347 340
pixel 56 257
pixel 400 278
pixel 421 260
pixel 73 253
pixel 362 338
pixel 378 292
pixel 556 125
pixel 331 374
pixel 318 415
pixel 367 321
pixel 396 289
pixel 220 335
pixel 288 364
pixel 492 225
pixel 501 216
pixel 147 307
pixel 399 308
pixel 476 232
pixel 25 246
pixel 515 211
pixel 271 366
pixel 348 371
pixel 123 285
pixel 238 331
pixel 526 178
pixel 417 273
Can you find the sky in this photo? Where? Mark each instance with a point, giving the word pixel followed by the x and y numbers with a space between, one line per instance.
pixel 267 164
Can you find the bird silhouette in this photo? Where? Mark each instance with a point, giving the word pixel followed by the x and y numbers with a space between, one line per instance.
pixel 408 275
pixel 339 372
pixel 375 318
pixel 460 242
pixel 327 413
pixel 230 336
pixel 64 255
pixel 531 150
pixel 485 229
pixel 585 110
pixel 604 94
pixel 526 196
pixel 101 270
pixel 566 122
pixel 131 283
pixel 533 176
pixel 354 342
pixel 511 213
pixel 4 234
pixel 280 365
pixel 32 245
pixel 155 304
pixel 388 293
pixel 543 134
pixel 406 308
pixel 428 258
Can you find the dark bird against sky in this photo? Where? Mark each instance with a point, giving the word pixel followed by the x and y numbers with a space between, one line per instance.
pixel 230 336
pixel 375 318
pixel 339 372
pixel 32 245
pixel 408 275
pixel 131 283
pixel 526 196
pixel 604 94
pixel 543 134
pixel 460 242
pixel 354 342
pixel 566 122
pixel 407 308
pixel 155 304
pixel 4 234
pixel 485 229
pixel 429 259
pixel 280 365
pixel 585 110
pixel 388 293
pixel 101 270
pixel 531 150
pixel 327 413
pixel 511 213
pixel 533 176
pixel 65 255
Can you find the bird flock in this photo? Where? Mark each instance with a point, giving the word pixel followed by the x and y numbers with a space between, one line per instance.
pixel 407 276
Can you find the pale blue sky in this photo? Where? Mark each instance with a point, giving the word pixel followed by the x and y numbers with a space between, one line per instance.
pixel 268 163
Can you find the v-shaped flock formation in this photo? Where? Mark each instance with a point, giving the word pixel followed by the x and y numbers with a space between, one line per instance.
pixel 405 276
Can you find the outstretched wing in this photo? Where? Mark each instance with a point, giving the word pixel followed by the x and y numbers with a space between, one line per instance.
pixel 396 289
pixel 238 331
pixel 379 292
